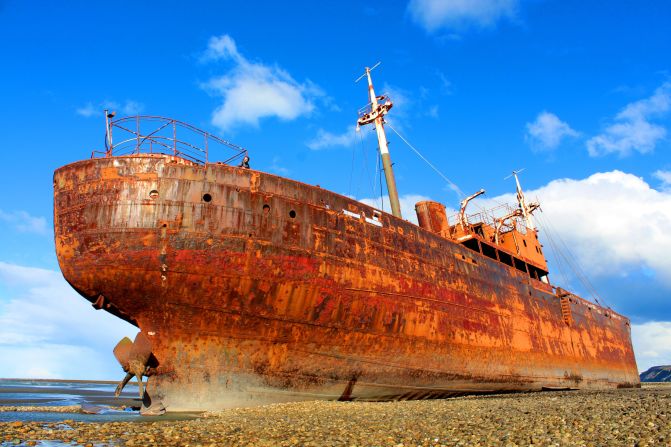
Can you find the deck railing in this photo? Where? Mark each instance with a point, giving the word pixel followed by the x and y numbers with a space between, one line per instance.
pixel 159 135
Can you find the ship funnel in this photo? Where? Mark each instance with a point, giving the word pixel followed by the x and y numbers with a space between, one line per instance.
pixel 432 216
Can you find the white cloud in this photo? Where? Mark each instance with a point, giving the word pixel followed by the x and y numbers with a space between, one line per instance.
pixel 611 216
pixel 88 110
pixel 632 129
pixel 445 84
pixel 24 222
pixel 128 107
pixel 277 167
pixel 664 177
pixel 132 108
pixel 547 131
pixel 252 91
pixel 399 96
pixel 325 139
pixel 652 343
pixel 433 15
pixel 49 331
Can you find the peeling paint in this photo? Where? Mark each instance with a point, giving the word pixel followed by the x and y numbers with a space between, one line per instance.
pixel 248 303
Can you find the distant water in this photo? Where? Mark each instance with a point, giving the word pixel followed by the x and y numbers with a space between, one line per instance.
pixel 46 393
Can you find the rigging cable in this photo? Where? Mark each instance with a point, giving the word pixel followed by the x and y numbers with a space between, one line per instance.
pixel 573 264
pixel 453 186
pixel 364 167
pixel 571 260
pixel 351 172
pixel 379 172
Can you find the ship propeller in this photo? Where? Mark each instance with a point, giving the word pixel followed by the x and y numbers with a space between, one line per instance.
pixel 135 358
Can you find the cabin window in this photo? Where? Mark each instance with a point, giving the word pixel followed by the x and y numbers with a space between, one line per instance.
pixel 472 244
pixel 488 251
pixel 292 214
pixel 506 258
pixel 153 194
pixel 207 197
pixel 520 265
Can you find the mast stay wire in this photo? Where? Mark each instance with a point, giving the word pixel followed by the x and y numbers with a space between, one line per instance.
pixel 378 171
pixel 560 249
pixel 351 172
pixel 571 261
pixel 555 255
pixel 365 167
pixel 453 186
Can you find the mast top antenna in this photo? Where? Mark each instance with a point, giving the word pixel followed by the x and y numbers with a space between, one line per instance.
pixel 368 70
pixel 514 173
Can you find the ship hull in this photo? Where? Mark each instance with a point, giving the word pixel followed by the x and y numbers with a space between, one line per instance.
pixel 256 289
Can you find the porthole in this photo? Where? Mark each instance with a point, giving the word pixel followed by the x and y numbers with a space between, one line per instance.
pixel 153 194
pixel 292 214
pixel 207 197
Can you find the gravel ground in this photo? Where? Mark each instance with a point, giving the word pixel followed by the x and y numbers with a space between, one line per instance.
pixel 640 417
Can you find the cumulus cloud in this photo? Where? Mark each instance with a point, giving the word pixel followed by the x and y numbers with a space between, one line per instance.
pixel 251 90
pixel 433 15
pixel 632 128
pixel 652 343
pixel 25 223
pixel 547 132
pixel 128 107
pixel 88 110
pixel 49 331
pixel 664 177
pixel 325 139
pixel 613 216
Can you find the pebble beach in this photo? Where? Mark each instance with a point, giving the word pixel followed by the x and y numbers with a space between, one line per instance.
pixel 628 417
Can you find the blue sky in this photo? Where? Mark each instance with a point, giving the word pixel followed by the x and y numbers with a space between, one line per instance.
pixel 576 93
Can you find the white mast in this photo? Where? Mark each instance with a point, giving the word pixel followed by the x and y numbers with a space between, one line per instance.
pixel 527 209
pixel 376 115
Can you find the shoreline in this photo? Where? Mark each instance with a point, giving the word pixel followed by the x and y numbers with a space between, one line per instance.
pixel 618 417
pixel 97 382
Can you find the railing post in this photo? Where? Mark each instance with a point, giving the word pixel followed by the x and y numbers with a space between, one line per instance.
pixel 137 132
pixel 174 138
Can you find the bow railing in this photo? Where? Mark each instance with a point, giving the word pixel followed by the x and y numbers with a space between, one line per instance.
pixel 159 135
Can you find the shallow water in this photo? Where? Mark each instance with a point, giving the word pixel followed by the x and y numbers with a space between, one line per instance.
pixel 40 393
pixel 110 416
pixel 41 444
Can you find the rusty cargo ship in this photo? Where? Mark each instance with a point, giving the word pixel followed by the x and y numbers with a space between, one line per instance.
pixel 249 288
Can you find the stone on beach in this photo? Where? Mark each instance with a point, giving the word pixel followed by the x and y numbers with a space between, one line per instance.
pixel 634 417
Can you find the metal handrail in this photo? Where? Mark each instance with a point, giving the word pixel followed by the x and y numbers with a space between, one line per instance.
pixel 159 135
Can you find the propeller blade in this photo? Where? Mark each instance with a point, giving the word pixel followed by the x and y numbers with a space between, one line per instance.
pixel 122 352
pixel 140 385
pixel 122 384
pixel 135 358
pixel 141 350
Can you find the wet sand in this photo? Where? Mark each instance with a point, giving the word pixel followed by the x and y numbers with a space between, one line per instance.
pixel 636 417
pixel 60 393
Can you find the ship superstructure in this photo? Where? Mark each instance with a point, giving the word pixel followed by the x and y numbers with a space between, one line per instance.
pixel 250 288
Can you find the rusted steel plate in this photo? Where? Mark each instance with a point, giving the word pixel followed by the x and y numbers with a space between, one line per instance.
pixel 254 289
